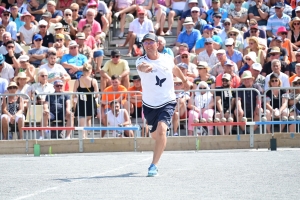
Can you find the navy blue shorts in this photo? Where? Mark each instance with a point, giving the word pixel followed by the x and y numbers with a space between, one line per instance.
pixel 165 114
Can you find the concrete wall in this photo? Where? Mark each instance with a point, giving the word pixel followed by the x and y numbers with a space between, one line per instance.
pixel 147 144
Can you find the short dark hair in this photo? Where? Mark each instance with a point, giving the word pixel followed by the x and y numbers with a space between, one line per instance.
pixel 9 42
pixel 113 103
pixel 115 77
pixel 2 26
pixel 86 26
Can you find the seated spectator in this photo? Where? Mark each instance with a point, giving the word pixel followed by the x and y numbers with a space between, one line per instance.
pixel 176 9
pixel 7 4
pixel 15 16
pixel 59 46
pixel 135 99
pixel 201 106
pixel 274 54
pixel 276 101
pixel 47 16
pixel 181 108
pixel 286 43
pixel 209 54
pixel 217 24
pixel 36 9
pixel 274 23
pixel 255 69
pixel 249 59
pixel 115 66
pixel 60 30
pixel 254 46
pixel 89 40
pixel 137 29
pixel 229 69
pixel 11 57
pixel 12 111
pixel 118 117
pixel 3 85
pixel 294 105
pixel 208 16
pixel 6 70
pixel 184 69
pixel 295 12
pixel 287 9
pixel 28 30
pixel 41 86
pixel 119 95
pixel 162 46
pixel 23 88
pixel 69 26
pixel 10 26
pixel 86 105
pixel 192 68
pixel 234 33
pixel 296 69
pixel 276 68
pixel 227 25
pixel 83 48
pixel 21 6
pixel 259 12
pixel 63 5
pixel 232 54
pixel 73 61
pixel 189 36
pixel 238 16
pixel 55 71
pixel 277 42
pixel 225 103
pixel 37 54
pixel 48 38
pixel 26 67
pixel 183 47
pixel 294 33
pixel 219 67
pixel 199 23
pixel 56 14
pixel 75 12
pixel 2 31
pixel 204 76
pixel 207 36
pixel 248 102
pixel 57 107
pixel 255 31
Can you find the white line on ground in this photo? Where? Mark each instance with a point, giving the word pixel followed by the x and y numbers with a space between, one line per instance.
pixel 76 181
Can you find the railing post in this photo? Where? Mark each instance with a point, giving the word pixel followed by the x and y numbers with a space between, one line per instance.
pixel 80 137
pixel 251 136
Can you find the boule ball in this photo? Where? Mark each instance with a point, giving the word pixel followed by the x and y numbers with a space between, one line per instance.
pixel 230 119
pixel 217 120
pixel 263 119
pixel 203 120
pixel 244 119
pixel 223 119
pixel 284 118
pixel 291 118
pixel 209 120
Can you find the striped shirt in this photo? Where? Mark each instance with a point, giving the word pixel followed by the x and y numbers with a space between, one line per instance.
pixel 274 23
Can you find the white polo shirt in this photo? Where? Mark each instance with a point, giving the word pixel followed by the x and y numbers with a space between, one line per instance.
pixel 7 72
pixel 141 29
pixel 39 88
pixel 158 85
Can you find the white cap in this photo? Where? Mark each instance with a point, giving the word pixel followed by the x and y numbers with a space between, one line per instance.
pixel 195 9
pixel 229 41
pixel 193 1
pixel 226 76
pixel 73 43
pixel 222 51
pixel 251 55
pixel 297 8
pixel 43 22
pixel 247 74
pixel 257 66
pixel 23 58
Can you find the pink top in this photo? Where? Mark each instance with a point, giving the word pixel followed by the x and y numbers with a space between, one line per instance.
pixel 96 28
pixel 90 41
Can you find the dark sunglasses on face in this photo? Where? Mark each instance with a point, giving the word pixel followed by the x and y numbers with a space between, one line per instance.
pixel 6 15
pixel 273 54
pixel 68 14
pixel 184 57
pixel 42 26
pixel 194 11
pixel 228 45
pixel 253 31
pixel 115 56
pixel 218 17
pixel 232 34
pixel 225 80
pixel 38 40
pixel 226 24
pixel 42 75
pixel 202 88
pixel 10 47
pixel 248 59
pixel 12 88
pixel 274 81
pixel 208 43
pixel 75 10
pixel 237 2
pixel 58 40
pixel 283 33
pixel 59 86
pixel 296 24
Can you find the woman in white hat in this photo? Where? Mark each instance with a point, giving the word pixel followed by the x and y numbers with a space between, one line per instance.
pixel 249 59
pixel 28 30
pixel 23 88
pixel 294 33
pixel 234 33
pixel 26 67
pixel 12 111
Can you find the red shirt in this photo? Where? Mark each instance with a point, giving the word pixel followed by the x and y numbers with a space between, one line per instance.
pixel 235 81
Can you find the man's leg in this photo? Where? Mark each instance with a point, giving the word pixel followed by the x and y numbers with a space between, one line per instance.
pixel 159 135
pixel 125 81
pixel 131 43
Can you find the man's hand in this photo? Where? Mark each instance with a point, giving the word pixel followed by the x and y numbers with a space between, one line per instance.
pixel 73 70
pixel 258 5
pixel 186 85
pixel 12 119
pixel 144 67
pixel 10 52
pixel 46 112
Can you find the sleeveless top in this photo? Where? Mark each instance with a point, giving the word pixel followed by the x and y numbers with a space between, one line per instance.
pixel 293 37
pixel 258 56
pixel 115 121
pixel 13 107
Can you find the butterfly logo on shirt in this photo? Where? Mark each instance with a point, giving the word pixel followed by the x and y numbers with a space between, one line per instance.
pixel 159 82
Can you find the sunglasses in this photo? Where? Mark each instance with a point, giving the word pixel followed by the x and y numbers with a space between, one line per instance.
pixel 202 88
pixel 248 59
pixel 148 43
pixel 225 80
pixel 283 33
pixel 115 56
pixel 237 2
pixel 10 47
pixel 274 81
pixel 6 15
pixel 226 24
pixel 184 57
pixel 58 40
pixel 12 88
pixel 177 84
pixel 23 61
pixel 228 45
pixel 72 47
pixel 208 43
pixel 75 10
pixel 253 31
pixel 68 14
pixel 251 43
pixel 273 54
pixel 296 24
pixel 232 34
pixel 38 40
pixel 296 83
pixel 59 86
pixel 42 75
pixel 277 8
pixel 58 29
pixel 42 26
pixel 218 17
pixel 194 11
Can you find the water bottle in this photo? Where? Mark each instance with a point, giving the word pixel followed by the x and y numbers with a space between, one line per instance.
pixel 47 134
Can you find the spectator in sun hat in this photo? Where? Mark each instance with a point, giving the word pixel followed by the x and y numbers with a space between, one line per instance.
pixel 286 43
pixel 217 24
pixel 28 30
pixel 34 6
pixel 287 9
pixel 10 26
pixel 51 26
pixel 296 12
pixel 26 67
pixel 196 16
pixel 215 7
pixel 189 36
pixel 277 42
pixel 83 48
pixel 203 70
pixel 248 59
pixel 294 33
pixel 56 14
pixel 258 78
pixel 59 29
pixel 192 68
pixel 275 54
pixel 48 38
pixel 16 17
pixel 208 33
pixel 209 55
pixel 253 29
pixel 219 67
pixel 59 45
pixel 233 54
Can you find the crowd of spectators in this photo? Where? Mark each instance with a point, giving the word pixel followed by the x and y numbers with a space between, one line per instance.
pixel 58 46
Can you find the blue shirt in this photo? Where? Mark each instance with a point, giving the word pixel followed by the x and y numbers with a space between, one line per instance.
pixel 57 13
pixel 274 23
pixel 236 57
pixel 12 29
pixel 210 12
pixel 201 43
pixel 18 21
pixel 78 60
pixel 244 68
pixel 190 39
pixel 198 25
pixel 39 51
pixel 168 51
pixel 3 85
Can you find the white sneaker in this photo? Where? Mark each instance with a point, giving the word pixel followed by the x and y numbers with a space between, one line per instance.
pixel 62 134
pixel 121 35
pixel 129 18
pixel 168 33
pixel 116 15
pixel 41 138
pixel 176 134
